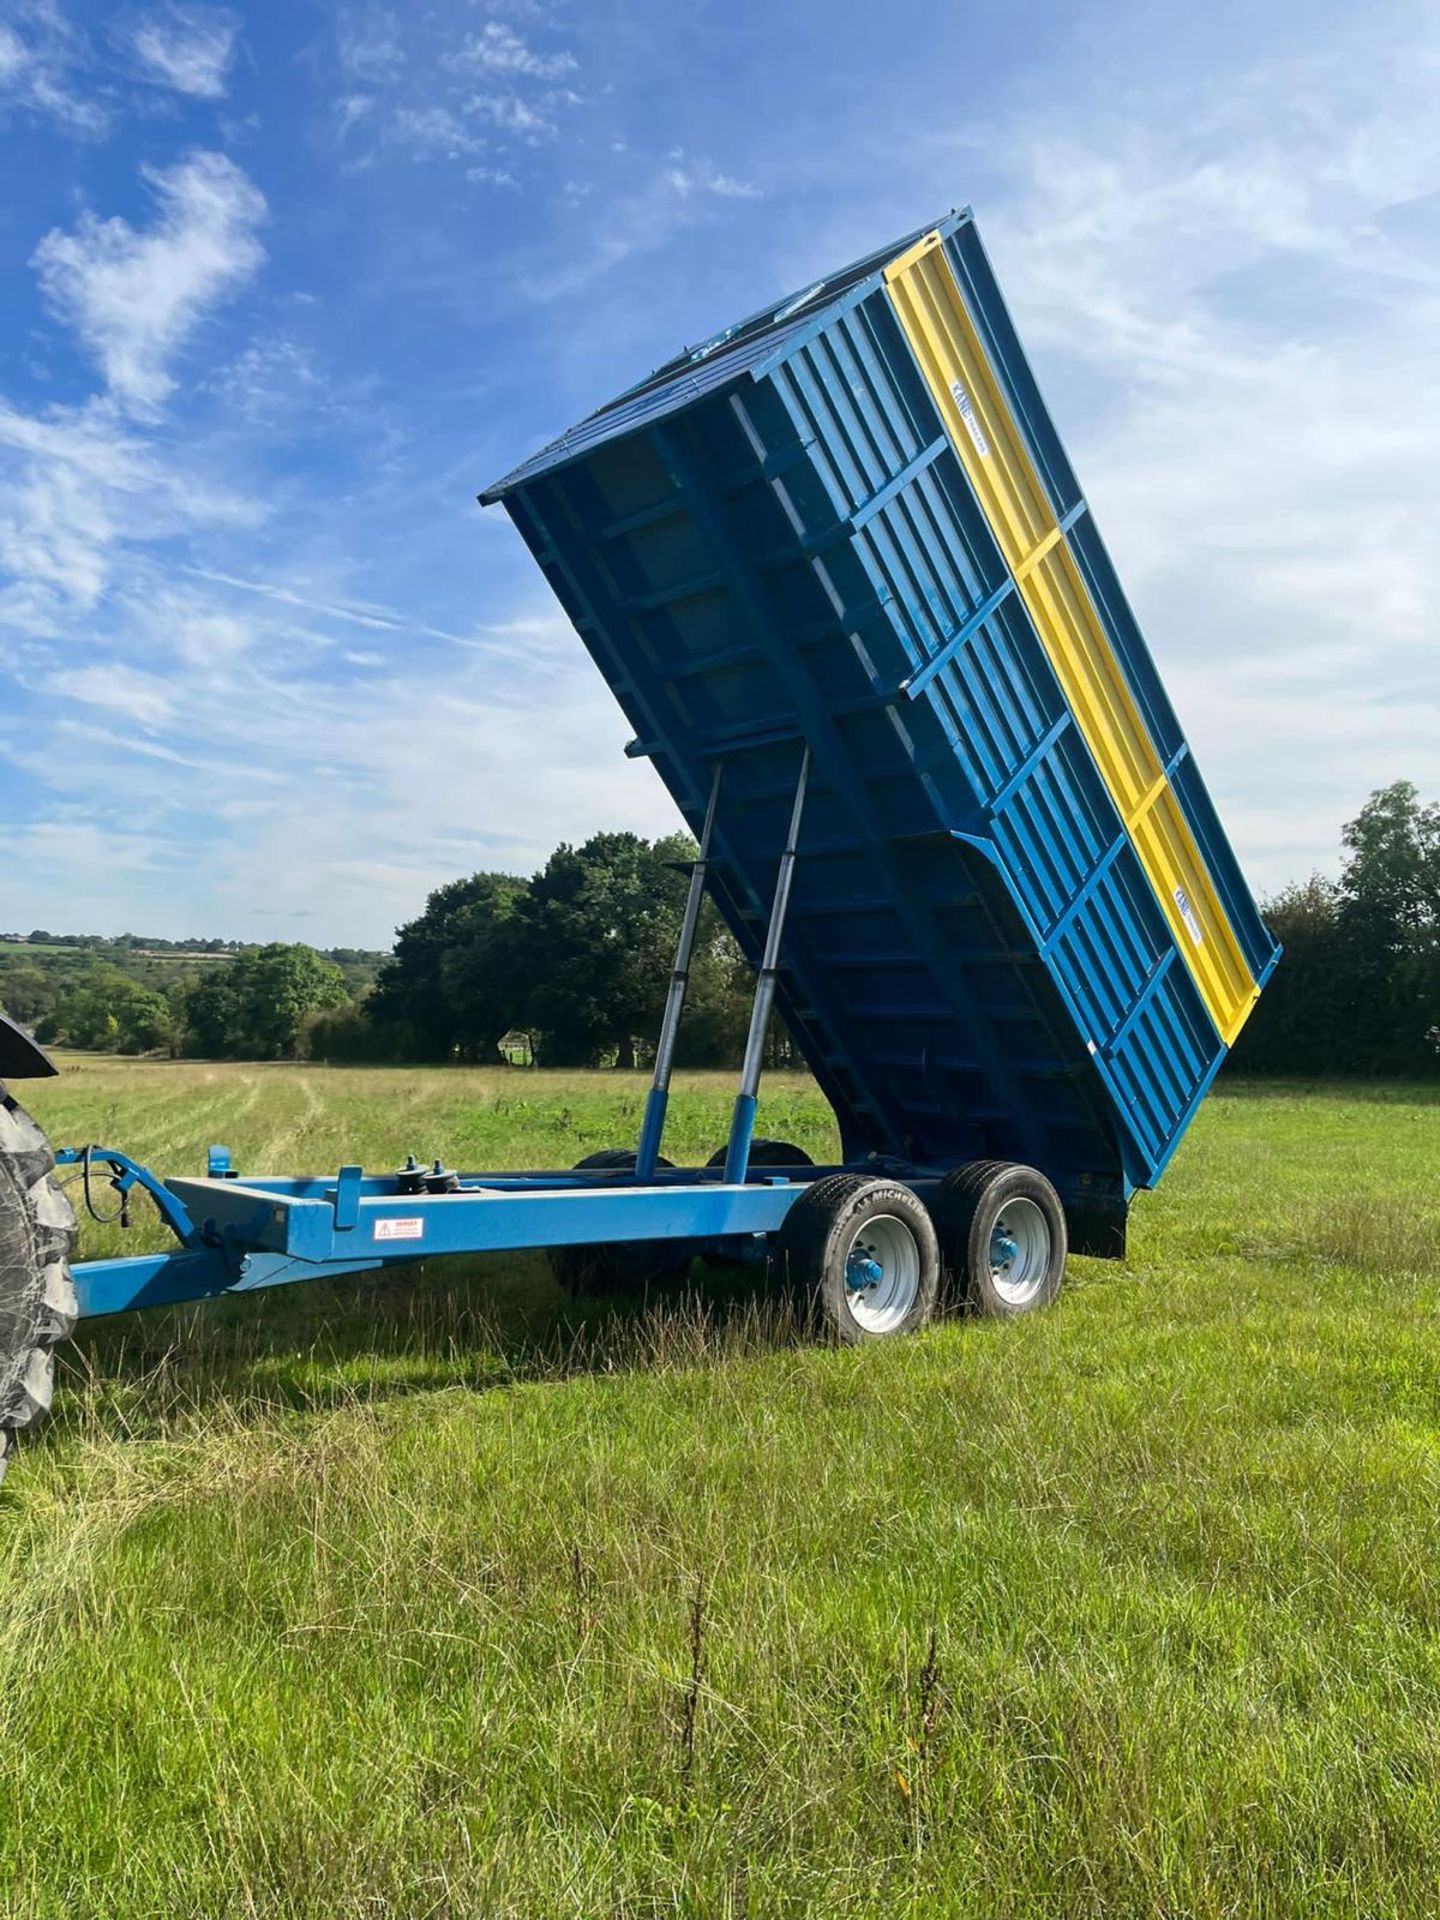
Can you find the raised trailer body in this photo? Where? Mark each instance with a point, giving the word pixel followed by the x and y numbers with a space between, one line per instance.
pixel 848 526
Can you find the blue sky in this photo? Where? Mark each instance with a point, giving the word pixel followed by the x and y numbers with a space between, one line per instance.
pixel 282 286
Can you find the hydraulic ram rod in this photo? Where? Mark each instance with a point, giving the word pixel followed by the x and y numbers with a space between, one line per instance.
pixel 742 1124
pixel 653 1127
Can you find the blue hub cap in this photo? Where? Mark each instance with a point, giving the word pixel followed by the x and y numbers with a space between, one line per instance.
pixel 1004 1250
pixel 863 1272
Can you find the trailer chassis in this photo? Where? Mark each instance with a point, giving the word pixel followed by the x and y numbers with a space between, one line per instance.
pixel 238 1235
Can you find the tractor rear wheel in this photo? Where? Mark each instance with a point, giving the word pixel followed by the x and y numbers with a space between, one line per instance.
pixel 620 1266
pixel 37 1294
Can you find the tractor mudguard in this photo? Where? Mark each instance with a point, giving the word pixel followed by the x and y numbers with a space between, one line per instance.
pixel 21 1058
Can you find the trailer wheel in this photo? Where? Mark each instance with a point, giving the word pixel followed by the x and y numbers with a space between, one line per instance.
pixel 766 1153
pixel 1002 1234
pixel 620 1266
pixel 863 1255
pixel 37 1294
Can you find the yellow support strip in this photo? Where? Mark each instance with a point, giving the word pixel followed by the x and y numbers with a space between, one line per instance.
pixel 1037 554
pixel 933 314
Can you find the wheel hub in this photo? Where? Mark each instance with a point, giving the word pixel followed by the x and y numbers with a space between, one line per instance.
pixel 1020 1244
pixel 1004 1250
pixel 863 1271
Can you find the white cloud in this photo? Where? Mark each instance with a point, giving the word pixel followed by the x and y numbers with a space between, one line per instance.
pixel 77 484
pixel 497 49
pixel 13 58
pixel 513 114
pixel 188 48
pixel 137 696
pixel 38 68
pixel 435 132
pixel 134 297
pixel 689 177
pixel 675 195
pixel 368 41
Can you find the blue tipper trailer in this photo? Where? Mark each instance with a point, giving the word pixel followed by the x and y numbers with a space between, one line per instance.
pixel 837 570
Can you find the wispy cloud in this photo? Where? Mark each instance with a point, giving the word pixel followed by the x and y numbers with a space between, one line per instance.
pixel 498 49
pixel 689 177
pixel 674 194
pixel 435 131
pixel 188 48
pixel 77 487
pixel 42 56
pixel 476 100
pixel 134 297
pixel 140 697
pixel 532 119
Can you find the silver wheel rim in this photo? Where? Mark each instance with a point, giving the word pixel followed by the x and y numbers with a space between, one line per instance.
pixel 882 1274
pixel 1020 1249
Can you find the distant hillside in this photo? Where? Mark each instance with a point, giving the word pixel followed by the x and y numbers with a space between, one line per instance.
pixel 153 947
pixel 133 992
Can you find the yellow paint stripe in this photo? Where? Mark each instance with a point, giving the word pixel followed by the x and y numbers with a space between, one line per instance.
pixel 1037 554
pixel 932 311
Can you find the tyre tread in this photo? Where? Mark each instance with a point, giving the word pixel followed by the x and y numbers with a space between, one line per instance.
pixel 38 1306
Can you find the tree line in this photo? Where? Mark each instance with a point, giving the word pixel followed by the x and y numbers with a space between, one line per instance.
pixel 239 1003
pixel 1358 990
pixel 569 968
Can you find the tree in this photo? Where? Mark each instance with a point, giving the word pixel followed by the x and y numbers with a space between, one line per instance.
pixel 1358 990
pixel 275 988
pixel 1296 1026
pixel 109 1012
pixel 208 1011
pixel 25 992
pixel 600 925
pixel 1389 929
pixel 256 1006
pixel 451 983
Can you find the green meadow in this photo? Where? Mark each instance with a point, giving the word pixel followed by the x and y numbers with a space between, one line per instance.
pixel 439 1595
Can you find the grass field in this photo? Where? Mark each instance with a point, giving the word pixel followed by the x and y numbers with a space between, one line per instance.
pixel 433 1597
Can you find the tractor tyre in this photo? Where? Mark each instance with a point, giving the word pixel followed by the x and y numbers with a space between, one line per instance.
pixel 37 1294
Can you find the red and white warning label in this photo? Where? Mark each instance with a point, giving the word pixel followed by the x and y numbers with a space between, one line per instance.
pixel 406 1229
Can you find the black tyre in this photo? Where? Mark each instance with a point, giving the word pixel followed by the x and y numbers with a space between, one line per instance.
pixel 621 1266
pixel 767 1153
pixel 763 1153
pixel 1002 1237
pixel 37 1294
pixel 862 1255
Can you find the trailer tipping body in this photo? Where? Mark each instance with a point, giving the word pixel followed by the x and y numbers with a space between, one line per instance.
pixel 846 528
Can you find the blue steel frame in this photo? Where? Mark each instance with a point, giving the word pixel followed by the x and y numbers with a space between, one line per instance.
pixel 268 1232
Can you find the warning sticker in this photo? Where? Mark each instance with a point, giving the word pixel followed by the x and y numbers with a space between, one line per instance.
pixel 409 1229
pixel 1187 914
pixel 967 414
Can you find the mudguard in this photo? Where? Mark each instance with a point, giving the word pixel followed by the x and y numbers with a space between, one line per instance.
pixel 21 1058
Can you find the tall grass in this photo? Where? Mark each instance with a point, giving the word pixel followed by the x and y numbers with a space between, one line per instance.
pixel 438 1596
